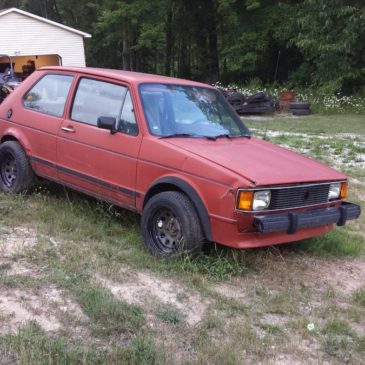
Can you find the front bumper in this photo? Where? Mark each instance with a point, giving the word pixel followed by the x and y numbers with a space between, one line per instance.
pixel 292 221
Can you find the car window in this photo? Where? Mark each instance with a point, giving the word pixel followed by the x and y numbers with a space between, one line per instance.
pixel 49 94
pixel 189 110
pixel 127 120
pixel 96 99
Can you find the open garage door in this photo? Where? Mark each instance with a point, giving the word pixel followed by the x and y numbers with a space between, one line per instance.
pixel 20 63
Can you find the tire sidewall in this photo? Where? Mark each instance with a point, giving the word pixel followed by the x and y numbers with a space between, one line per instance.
pixel 161 201
pixel 14 149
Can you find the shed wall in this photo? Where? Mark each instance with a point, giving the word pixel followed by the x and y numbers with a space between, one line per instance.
pixel 21 35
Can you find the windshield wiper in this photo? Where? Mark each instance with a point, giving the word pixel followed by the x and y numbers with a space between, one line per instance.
pixel 183 135
pixel 225 135
pixel 219 136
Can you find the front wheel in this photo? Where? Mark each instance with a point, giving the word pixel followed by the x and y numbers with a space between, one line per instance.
pixel 171 226
pixel 16 174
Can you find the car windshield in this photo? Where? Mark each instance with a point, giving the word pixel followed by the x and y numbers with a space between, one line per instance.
pixel 189 111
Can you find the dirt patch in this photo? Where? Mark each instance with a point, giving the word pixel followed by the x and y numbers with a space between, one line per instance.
pixel 342 276
pixel 19 267
pixel 18 307
pixel 46 306
pixel 16 240
pixel 149 290
pixel 237 292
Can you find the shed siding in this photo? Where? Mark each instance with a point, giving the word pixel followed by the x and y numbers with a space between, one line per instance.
pixel 19 33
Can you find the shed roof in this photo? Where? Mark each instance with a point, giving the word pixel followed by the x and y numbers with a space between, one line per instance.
pixel 39 18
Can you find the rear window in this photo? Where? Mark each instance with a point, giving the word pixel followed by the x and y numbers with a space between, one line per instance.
pixel 49 95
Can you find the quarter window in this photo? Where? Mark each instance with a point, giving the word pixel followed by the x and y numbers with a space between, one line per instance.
pixel 127 120
pixel 49 94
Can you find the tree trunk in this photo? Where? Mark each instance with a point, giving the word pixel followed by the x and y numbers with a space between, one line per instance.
pixel 169 42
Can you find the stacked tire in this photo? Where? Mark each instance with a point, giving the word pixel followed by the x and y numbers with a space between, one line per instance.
pixel 258 103
pixel 299 108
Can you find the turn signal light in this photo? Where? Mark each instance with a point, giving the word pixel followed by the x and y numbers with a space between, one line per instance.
pixel 343 192
pixel 245 200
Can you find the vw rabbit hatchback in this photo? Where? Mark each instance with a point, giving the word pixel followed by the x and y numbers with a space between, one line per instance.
pixel 171 150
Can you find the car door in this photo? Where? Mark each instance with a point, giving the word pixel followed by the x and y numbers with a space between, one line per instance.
pixel 38 115
pixel 95 160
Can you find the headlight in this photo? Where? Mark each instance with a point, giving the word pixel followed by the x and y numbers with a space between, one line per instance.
pixel 337 191
pixel 334 192
pixel 250 200
pixel 261 199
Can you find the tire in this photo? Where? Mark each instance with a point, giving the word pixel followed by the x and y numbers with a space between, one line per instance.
pixel 300 111
pixel 16 174
pixel 170 225
pixel 258 97
pixel 299 105
pixel 255 110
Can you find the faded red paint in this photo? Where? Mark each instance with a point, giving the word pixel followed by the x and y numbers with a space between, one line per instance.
pixel 214 169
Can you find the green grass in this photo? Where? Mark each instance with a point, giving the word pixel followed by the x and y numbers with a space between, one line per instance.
pixel 169 314
pixel 359 297
pixel 314 124
pixel 31 346
pixel 339 339
pixel 81 240
pixel 338 243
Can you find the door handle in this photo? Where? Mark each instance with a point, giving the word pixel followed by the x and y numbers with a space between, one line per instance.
pixel 68 129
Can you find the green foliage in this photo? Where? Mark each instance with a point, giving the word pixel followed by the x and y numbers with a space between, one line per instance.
pixel 169 314
pixel 317 42
pixel 359 297
pixel 337 243
pixel 329 34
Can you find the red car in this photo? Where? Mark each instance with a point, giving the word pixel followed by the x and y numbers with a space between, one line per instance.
pixel 172 150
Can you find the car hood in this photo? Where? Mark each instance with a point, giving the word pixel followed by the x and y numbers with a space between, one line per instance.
pixel 260 162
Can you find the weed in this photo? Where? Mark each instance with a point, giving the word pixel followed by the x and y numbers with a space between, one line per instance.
pixel 338 327
pixel 339 339
pixel 143 351
pixel 338 243
pixel 30 346
pixel 272 329
pixel 169 314
pixel 109 315
pixel 360 344
pixel 359 297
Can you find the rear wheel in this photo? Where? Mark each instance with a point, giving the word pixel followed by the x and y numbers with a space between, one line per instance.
pixel 16 174
pixel 170 225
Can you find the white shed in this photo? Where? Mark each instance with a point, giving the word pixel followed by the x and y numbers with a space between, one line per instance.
pixel 25 36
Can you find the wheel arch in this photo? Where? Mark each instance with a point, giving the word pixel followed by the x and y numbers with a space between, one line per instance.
pixel 170 183
pixel 11 135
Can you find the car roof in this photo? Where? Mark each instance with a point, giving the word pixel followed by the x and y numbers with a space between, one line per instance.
pixel 129 76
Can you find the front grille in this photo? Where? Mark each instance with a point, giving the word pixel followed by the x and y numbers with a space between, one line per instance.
pixel 299 196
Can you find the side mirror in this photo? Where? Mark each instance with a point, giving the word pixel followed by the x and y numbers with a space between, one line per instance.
pixel 107 123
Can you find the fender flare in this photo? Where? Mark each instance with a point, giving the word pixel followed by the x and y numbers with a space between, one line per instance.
pixel 191 193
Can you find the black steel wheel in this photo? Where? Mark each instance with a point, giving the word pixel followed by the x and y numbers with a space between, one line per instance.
pixel 16 174
pixel 170 225
pixel 8 170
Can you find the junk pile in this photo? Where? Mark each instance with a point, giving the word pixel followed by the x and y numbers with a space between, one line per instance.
pixel 258 103
pixel 287 104
pixel 8 80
